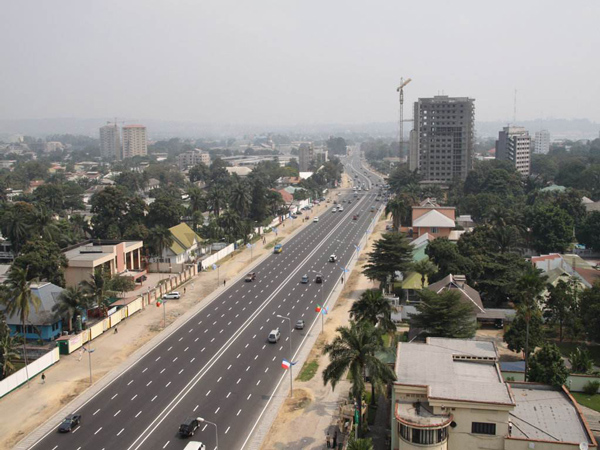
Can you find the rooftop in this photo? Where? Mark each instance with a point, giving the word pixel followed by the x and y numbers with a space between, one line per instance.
pixel 457 282
pixel 433 218
pixel 48 294
pixel 453 369
pixel 546 413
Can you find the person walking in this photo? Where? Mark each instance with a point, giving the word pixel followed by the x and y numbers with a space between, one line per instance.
pixel 43 378
pixel 335 440
pixel 184 291
pixel 328 440
pixel 224 282
pixel 116 330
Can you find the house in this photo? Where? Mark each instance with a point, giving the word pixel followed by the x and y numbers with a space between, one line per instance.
pixel 449 394
pixel 429 217
pixel 113 257
pixel 184 249
pixel 458 283
pixel 590 205
pixel 239 171
pixel 42 323
pixel 557 266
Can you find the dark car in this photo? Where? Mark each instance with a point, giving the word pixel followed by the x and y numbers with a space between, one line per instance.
pixel 188 427
pixel 319 279
pixel 70 422
pixel 251 276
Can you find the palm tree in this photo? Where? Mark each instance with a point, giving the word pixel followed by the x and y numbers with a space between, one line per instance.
pixel 8 352
pixel 353 351
pixel 159 239
pixel 80 225
pixel 240 198
pixel 44 224
pixel 96 290
pixel 197 199
pixel 19 301
pixel 395 208
pixel 425 268
pixel 372 307
pixel 230 221
pixel 15 228
pixel 360 444
pixel 506 238
pixel 70 302
pixel 216 199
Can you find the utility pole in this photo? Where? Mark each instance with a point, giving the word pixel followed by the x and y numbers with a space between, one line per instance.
pixel 400 90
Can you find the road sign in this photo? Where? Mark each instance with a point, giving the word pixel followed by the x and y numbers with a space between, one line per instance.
pixel 214 267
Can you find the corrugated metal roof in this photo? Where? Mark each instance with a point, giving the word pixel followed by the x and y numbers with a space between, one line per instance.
pixel 433 219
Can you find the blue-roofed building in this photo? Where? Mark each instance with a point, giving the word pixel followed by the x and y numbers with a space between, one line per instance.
pixel 43 322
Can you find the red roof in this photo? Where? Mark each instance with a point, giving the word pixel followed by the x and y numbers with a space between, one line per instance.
pixel 285 195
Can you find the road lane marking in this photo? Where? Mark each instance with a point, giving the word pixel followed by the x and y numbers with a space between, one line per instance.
pixel 228 395
pixel 217 410
pixel 113 397
pixel 136 416
pixel 98 431
pixel 117 413
pixel 122 429
pixel 129 382
pixel 154 398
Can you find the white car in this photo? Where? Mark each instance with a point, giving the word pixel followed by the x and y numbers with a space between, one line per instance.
pixel 332 258
pixel 341 208
pixel 316 219
pixel 334 210
pixel 172 296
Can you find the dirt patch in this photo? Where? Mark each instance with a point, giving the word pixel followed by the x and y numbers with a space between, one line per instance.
pixel 302 398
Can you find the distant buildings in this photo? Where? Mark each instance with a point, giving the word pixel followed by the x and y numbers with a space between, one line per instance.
pixel 189 159
pixel 306 153
pixel 542 142
pixel 135 142
pixel 514 145
pixel 441 146
pixel 110 142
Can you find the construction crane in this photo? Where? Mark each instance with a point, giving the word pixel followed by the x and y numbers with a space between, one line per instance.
pixel 400 89
pixel 115 122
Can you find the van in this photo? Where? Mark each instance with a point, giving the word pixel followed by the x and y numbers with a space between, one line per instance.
pixel 195 445
pixel 274 336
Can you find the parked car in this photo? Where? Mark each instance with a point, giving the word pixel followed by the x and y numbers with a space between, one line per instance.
pixel 332 258
pixel 304 279
pixel 316 219
pixel 174 295
pixel 69 423
pixel 251 276
pixel 274 335
pixel 319 279
pixel 188 427
pixel 299 325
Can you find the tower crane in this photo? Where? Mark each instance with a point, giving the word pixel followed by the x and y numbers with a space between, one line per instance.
pixel 400 90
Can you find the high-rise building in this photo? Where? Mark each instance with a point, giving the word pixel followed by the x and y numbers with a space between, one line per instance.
pixel 443 139
pixel 110 141
pixel 514 145
pixel 542 142
pixel 191 158
pixel 135 142
pixel 306 153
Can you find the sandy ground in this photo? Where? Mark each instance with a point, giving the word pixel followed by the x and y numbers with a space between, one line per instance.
pixel 303 421
pixel 29 406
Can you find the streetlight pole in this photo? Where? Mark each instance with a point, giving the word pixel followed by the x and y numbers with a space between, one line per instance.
pixel 291 354
pixel 89 352
pixel 164 302
pixel 201 419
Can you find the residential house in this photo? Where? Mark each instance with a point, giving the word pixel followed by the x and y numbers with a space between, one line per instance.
pixel 184 249
pixel 449 394
pixel 122 258
pixel 590 205
pixel 43 323
pixel 458 283
pixel 557 266
pixel 429 217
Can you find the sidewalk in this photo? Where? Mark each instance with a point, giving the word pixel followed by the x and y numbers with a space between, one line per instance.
pixel 30 406
pixel 303 422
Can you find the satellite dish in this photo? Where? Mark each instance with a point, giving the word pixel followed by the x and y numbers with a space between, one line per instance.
pixel 583 446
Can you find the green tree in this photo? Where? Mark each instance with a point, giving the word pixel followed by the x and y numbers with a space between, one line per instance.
pixel 71 302
pixel 44 225
pixel 43 261
pixel 392 253
pixel 547 366
pixel 519 329
pixel 588 233
pixel 199 172
pixel 96 290
pixel 16 224
pixel 159 239
pixel 445 255
pixel 444 315
pixel 240 198
pixel 372 307
pixel 165 211
pixel 361 444
pixel 590 311
pixel 551 229
pixel 216 199
pixel 397 208
pixel 426 269
pixel 581 361
pixel 19 300
pixel 561 304
pixel 353 350
pixel 8 352
pixel 197 199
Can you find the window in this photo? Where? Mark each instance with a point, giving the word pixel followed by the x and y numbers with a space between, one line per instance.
pixel 483 428
pixel 434 229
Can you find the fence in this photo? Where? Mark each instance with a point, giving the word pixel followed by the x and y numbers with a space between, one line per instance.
pixel 212 259
pixel 19 377
pixel 575 382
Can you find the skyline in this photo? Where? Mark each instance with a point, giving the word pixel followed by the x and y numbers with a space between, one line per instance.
pixel 291 64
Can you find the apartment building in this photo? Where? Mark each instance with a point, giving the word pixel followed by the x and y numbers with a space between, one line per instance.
pixel 514 145
pixel 441 146
pixel 306 153
pixel 450 395
pixel 135 141
pixel 110 142
pixel 189 159
pixel 542 142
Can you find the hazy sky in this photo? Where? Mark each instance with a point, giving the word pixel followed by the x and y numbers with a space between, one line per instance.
pixel 290 62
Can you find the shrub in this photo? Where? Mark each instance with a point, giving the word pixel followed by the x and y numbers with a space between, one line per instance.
pixel 591 387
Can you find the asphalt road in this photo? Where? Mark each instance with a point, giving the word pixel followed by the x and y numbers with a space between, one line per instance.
pixel 219 364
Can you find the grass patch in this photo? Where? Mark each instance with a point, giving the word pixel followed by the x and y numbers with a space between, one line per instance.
pixel 308 370
pixel 567 347
pixel 274 243
pixel 592 402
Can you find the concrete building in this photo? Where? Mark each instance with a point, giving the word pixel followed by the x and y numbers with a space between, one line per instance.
pixel 135 141
pixel 110 142
pixel 542 142
pixel 189 159
pixel 443 138
pixel 514 145
pixel 112 257
pixel 449 394
pixel 305 156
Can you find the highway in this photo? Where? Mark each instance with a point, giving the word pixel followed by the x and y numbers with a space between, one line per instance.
pixel 219 365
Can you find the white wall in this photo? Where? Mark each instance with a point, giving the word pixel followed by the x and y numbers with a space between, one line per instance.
pixel 34 368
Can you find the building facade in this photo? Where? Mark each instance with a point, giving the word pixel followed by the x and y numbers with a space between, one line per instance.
pixel 135 141
pixel 110 142
pixel 442 144
pixel 306 153
pixel 542 142
pixel 514 145
pixel 189 159
pixel 430 218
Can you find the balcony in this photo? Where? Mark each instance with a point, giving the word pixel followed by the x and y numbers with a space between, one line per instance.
pixel 418 425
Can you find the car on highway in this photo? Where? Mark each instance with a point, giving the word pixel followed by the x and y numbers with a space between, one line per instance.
pixel 316 219
pixel 304 279
pixel 334 210
pixel 172 296
pixel 332 258
pixel 251 276
pixel 355 217
pixel 195 445
pixel 341 208
pixel 188 427
pixel 299 325
pixel 278 248
pixel 69 423
pixel 274 336
pixel 319 279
